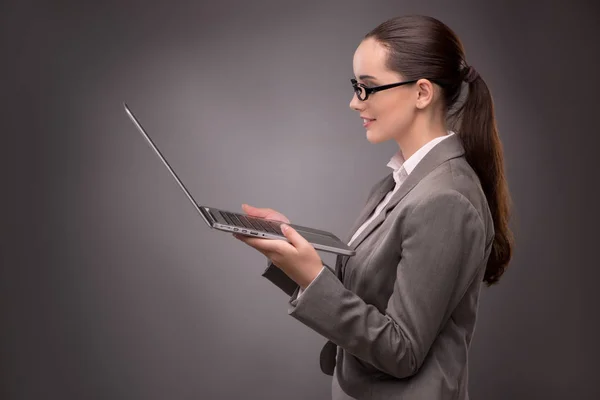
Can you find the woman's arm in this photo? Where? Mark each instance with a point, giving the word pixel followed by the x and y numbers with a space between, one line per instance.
pixel 442 237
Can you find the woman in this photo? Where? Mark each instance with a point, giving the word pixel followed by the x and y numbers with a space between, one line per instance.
pixel 400 314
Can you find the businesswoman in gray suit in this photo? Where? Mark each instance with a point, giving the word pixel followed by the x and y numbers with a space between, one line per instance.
pixel 399 316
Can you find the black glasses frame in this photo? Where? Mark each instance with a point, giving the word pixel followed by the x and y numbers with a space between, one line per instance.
pixel 373 89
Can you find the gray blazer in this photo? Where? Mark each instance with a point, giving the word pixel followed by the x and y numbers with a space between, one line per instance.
pixel 399 316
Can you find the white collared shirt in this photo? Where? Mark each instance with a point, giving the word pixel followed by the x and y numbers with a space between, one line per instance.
pixel 401 169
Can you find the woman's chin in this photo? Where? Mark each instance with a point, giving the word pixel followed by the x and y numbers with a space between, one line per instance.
pixel 373 137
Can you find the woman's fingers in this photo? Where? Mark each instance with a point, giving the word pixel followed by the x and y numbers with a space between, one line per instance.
pixel 268 213
pixel 254 211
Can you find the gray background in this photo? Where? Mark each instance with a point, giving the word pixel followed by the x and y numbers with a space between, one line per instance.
pixel 112 287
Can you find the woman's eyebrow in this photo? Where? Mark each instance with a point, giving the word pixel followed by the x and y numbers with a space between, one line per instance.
pixel 367 78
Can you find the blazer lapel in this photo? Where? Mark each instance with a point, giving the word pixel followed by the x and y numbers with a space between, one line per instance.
pixel 379 193
pixel 445 150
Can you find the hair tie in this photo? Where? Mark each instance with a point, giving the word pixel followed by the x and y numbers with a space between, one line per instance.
pixel 471 74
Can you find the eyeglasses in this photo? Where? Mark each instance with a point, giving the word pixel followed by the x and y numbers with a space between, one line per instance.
pixel 362 91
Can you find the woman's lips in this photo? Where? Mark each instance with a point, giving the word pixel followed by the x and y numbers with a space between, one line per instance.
pixel 367 122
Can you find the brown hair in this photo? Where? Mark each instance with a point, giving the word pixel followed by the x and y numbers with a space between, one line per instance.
pixel 424 47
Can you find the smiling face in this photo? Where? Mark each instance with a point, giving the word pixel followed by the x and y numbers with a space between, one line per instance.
pixel 387 114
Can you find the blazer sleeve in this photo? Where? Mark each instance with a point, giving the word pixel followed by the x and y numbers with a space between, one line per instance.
pixel 284 282
pixel 441 236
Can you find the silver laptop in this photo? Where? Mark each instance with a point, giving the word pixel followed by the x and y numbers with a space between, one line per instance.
pixel 244 224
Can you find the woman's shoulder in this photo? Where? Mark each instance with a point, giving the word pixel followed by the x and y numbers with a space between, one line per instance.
pixel 453 179
pixel 453 176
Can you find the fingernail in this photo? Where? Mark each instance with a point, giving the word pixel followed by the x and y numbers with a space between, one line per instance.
pixel 284 227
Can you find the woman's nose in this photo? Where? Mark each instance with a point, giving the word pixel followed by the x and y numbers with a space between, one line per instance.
pixel 356 104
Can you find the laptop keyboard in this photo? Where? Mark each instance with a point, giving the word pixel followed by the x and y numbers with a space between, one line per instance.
pixel 249 222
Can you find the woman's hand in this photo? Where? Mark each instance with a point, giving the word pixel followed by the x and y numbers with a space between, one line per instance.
pixel 267 213
pixel 298 259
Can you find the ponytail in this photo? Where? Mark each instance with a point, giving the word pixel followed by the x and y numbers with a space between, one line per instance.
pixel 483 151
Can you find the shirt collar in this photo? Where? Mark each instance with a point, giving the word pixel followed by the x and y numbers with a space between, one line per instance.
pixel 403 167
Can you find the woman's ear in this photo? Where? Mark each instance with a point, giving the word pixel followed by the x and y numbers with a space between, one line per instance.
pixel 424 93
